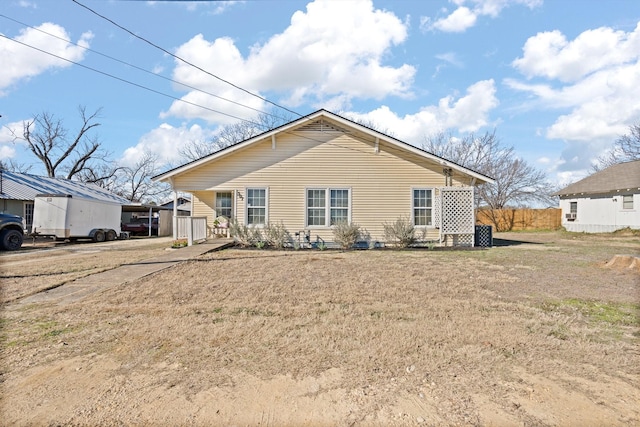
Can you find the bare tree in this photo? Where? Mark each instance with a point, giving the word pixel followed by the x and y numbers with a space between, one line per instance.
pixel 626 148
pixel 232 134
pixel 12 166
pixel 134 183
pixel 105 175
pixel 47 139
pixel 517 183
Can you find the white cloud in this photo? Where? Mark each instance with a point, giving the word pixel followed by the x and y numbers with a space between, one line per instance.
pixel 166 141
pixel 466 114
pixel 451 58
pixel 551 56
pixel 329 55
pixel 465 17
pixel 458 21
pixel 594 78
pixel 20 62
pixel 8 140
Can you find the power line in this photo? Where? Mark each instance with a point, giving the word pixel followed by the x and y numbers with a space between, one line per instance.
pixel 162 93
pixel 139 68
pixel 158 92
pixel 128 81
pixel 185 61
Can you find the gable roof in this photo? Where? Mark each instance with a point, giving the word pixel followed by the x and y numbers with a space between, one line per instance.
pixel 337 123
pixel 619 177
pixel 23 186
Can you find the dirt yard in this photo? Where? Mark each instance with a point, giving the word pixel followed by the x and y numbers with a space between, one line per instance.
pixel 539 331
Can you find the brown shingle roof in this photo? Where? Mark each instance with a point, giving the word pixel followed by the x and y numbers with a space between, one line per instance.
pixel 622 176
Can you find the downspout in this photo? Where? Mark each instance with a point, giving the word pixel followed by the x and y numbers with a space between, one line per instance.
pixel 175 210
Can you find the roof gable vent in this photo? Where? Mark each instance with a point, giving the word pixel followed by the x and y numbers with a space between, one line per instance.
pixel 321 126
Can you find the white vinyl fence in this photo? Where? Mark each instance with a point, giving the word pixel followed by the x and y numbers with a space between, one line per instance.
pixel 191 228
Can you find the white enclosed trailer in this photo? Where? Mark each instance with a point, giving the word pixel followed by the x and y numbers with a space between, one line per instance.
pixel 70 217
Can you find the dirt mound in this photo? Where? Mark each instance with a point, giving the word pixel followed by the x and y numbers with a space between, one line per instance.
pixel 628 262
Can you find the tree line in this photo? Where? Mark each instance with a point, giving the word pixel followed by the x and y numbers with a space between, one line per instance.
pixel 80 156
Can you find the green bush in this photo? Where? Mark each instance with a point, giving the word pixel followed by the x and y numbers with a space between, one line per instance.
pixel 402 233
pixel 276 235
pixel 346 234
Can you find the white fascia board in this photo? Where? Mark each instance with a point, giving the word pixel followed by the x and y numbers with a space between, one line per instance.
pixel 167 176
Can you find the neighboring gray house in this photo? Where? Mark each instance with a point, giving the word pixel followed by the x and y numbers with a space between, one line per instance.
pixel 19 190
pixel 603 202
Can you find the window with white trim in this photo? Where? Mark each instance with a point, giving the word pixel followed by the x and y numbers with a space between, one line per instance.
pixel 573 208
pixel 224 204
pixel 28 214
pixel 422 207
pixel 256 206
pixel 627 201
pixel 330 205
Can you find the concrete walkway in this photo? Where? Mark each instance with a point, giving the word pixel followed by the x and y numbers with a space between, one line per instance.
pixel 80 288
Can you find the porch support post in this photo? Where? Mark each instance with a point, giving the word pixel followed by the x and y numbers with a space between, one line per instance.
pixel 150 219
pixel 273 142
pixel 175 215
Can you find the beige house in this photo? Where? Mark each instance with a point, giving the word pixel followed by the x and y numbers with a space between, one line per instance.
pixel 323 168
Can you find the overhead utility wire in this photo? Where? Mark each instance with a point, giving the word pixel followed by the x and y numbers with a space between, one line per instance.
pixel 185 61
pixel 128 81
pixel 161 93
pixel 139 68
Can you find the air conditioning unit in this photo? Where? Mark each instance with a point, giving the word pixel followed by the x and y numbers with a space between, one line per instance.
pixel 571 216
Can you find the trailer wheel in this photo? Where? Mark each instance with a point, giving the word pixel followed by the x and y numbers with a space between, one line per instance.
pixel 111 235
pixel 98 236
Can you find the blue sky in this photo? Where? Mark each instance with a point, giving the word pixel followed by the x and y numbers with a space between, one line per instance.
pixel 559 80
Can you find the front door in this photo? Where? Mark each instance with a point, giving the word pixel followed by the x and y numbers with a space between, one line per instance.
pixel 224 204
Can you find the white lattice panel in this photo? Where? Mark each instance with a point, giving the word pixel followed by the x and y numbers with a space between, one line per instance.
pixel 457 210
pixel 456 216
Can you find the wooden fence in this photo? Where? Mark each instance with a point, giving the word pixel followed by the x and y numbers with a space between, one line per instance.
pixel 520 219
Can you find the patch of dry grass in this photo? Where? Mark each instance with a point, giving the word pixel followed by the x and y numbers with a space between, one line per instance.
pixel 445 326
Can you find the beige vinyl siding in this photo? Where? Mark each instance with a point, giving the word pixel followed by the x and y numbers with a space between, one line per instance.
pixel 380 182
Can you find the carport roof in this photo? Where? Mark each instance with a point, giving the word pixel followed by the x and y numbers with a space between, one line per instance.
pixel 23 186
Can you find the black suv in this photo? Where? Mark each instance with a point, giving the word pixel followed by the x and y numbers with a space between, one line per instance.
pixel 11 232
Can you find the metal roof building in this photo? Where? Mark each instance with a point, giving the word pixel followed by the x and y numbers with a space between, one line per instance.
pixel 22 186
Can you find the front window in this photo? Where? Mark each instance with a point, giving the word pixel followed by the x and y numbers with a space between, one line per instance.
pixel 224 205
pixel 256 206
pixel 627 202
pixel 422 207
pixel 327 204
pixel 339 206
pixel 573 208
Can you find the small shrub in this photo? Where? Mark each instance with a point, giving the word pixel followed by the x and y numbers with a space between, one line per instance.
pixel 180 243
pixel 402 232
pixel 245 235
pixel 276 235
pixel 346 234
pixel 260 244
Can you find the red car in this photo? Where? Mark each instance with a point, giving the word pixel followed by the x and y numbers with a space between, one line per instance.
pixel 140 226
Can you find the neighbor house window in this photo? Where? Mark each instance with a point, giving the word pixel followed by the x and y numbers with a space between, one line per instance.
pixel 627 202
pixel 28 215
pixel 224 204
pixel 422 207
pixel 327 206
pixel 256 206
pixel 573 208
